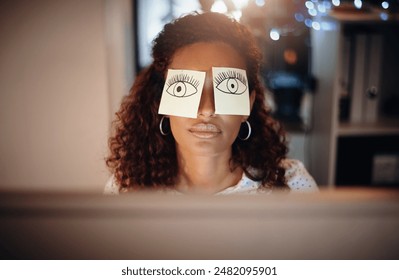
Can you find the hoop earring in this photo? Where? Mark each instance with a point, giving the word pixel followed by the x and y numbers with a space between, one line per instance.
pixel 249 132
pixel 161 127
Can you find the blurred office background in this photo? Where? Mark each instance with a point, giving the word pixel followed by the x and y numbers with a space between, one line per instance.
pixel 65 66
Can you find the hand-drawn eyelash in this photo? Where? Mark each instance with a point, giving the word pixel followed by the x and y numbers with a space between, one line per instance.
pixel 230 75
pixel 231 82
pixel 182 85
pixel 183 78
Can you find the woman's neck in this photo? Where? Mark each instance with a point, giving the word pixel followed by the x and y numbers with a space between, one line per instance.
pixel 206 174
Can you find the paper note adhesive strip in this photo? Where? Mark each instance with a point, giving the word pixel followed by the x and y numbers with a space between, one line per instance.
pixel 181 94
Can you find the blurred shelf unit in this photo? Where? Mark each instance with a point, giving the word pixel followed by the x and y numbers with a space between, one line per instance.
pixel 355 60
pixel 347 12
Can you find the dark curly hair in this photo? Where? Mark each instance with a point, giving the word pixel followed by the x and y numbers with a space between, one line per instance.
pixel 142 158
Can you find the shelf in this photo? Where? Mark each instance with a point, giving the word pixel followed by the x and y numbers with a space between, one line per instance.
pixel 359 53
pixel 363 15
pixel 383 127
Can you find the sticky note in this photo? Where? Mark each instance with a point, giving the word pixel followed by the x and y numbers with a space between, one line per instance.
pixel 230 87
pixel 182 92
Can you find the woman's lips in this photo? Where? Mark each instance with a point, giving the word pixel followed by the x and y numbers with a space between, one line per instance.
pixel 205 130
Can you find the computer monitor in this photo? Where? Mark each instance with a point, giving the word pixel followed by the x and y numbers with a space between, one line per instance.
pixel 340 224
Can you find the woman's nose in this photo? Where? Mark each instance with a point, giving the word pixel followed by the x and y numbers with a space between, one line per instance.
pixel 207 103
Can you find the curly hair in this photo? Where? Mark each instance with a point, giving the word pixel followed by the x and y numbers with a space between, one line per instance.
pixel 142 158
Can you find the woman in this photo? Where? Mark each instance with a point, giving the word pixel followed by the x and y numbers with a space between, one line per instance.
pixel 210 153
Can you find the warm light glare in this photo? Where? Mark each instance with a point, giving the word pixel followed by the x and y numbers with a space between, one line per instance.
pixel 239 4
pixel 290 56
pixel 274 34
pixel 219 7
pixel 237 15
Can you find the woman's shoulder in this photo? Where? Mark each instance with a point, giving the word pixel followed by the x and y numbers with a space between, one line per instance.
pixel 297 177
pixel 111 186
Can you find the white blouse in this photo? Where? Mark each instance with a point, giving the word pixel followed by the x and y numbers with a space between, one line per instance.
pixel 297 177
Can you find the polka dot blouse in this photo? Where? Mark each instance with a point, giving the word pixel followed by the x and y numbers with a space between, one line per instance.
pixel 297 177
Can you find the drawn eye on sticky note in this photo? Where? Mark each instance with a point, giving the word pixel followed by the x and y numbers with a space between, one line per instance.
pixel 230 87
pixel 181 93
